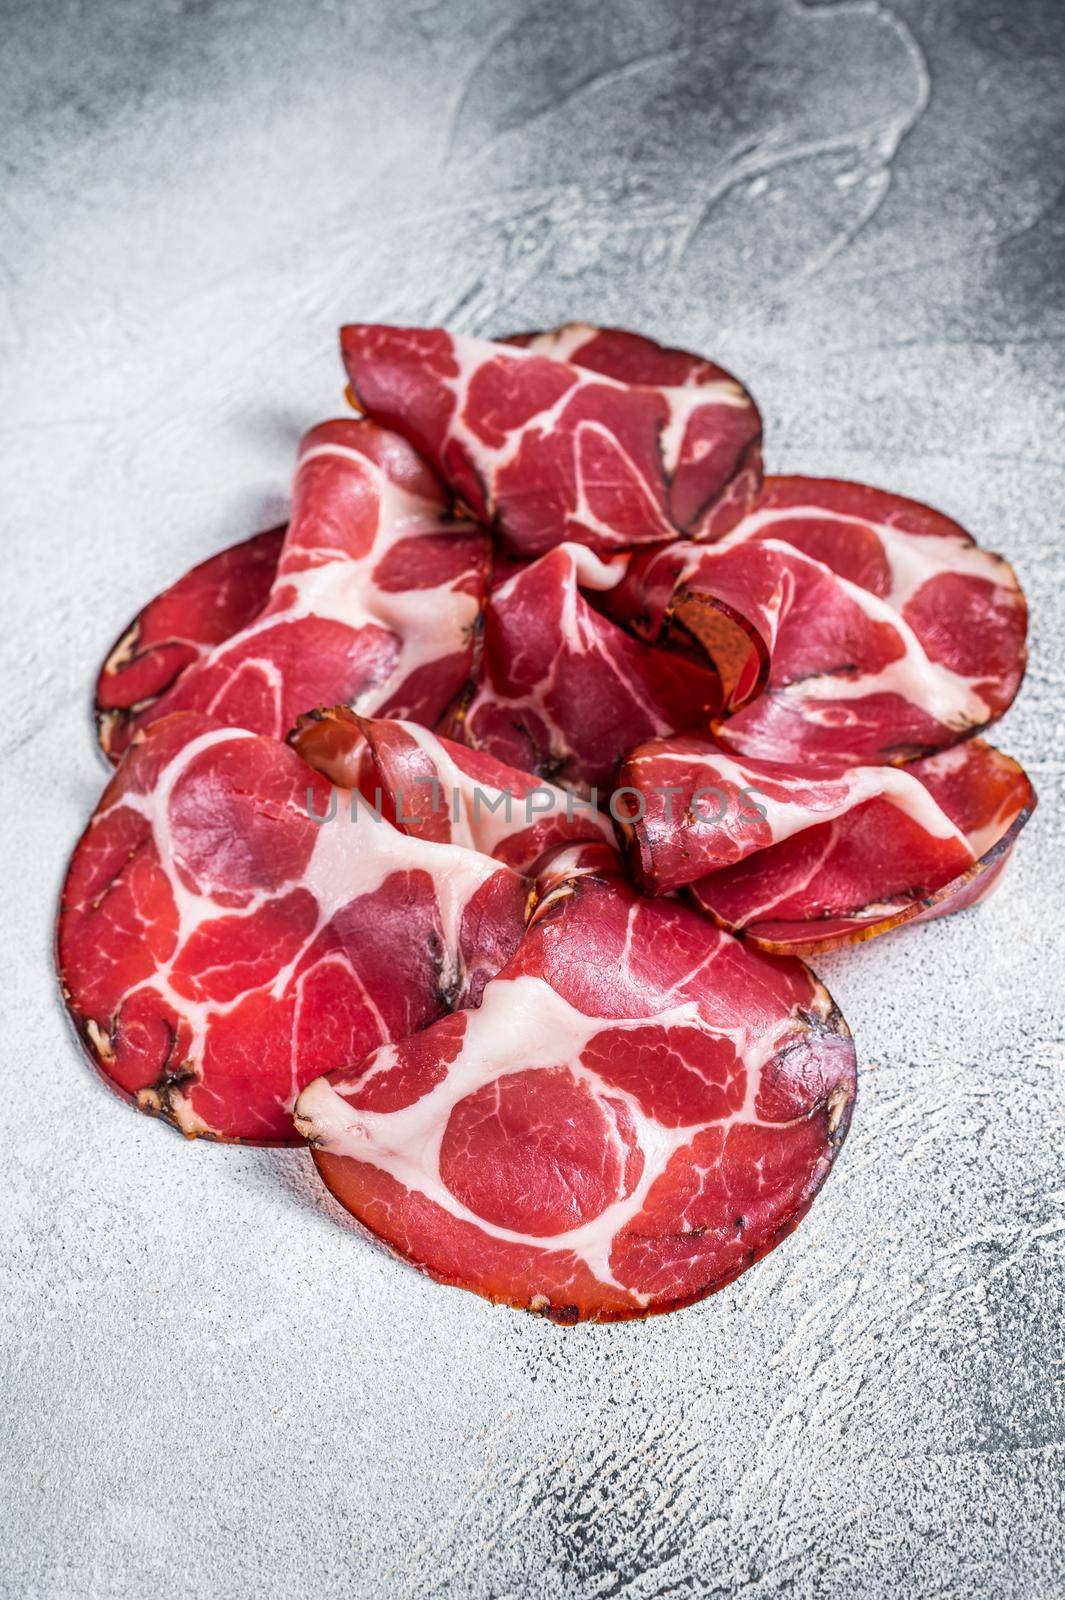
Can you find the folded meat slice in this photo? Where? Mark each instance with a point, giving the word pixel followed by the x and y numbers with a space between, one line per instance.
pixel 847 625
pixel 564 692
pixel 639 1109
pixel 202 609
pixel 232 925
pixel 805 863
pixel 432 788
pixel 589 435
pixel 376 599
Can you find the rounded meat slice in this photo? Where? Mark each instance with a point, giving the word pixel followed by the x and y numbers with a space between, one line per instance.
pixel 232 925
pixel 640 1108
pixel 594 436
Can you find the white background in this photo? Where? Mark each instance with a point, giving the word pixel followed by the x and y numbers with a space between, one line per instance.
pixel 213 1386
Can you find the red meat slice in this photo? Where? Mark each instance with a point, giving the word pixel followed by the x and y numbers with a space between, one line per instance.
pixel 808 863
pixel 847 625
pixel 432 788
pixel 564 692
pixel 231 926
pixel 376 599
pixel 609 1134
pixel 175 630
pixel 583 434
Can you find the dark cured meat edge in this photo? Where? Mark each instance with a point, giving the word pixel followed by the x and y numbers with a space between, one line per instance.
pixel 990 860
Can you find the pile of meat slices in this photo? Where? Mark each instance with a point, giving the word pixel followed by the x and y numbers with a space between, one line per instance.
pixel 471 827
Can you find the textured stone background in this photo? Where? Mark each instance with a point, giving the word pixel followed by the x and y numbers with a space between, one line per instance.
pixel 213 1386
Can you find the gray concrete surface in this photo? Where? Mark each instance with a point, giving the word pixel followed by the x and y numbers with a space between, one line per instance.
pixel 212 1387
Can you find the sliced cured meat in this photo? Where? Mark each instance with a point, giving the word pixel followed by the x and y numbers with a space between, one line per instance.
pixel 175 630
pixel 221 596
pixel 808 863
pixel 564 692
pixel 873 871
pixel 432 788
pixel 847 624
pixel 718 445
pixel 517 1069
pixel 588 435
pixel 640 1108
pixel 376 600
pixel 232 925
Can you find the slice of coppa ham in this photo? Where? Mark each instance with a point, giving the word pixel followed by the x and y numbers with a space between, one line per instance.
pixel 432 788
pixel 587 435
pixel 806 863
pixel 563 691
pixel 640 1108
pixel 179 627
pixel 376 599
pixel 232 925
pixel 847 625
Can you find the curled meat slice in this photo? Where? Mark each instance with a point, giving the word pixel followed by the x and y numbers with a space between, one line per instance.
pixel 563 691
pixel 847 624
pixel 432 788
pixel 376 598
pixel 232 925
pixel 640 1108
pixel 808 862
pixel 589 435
